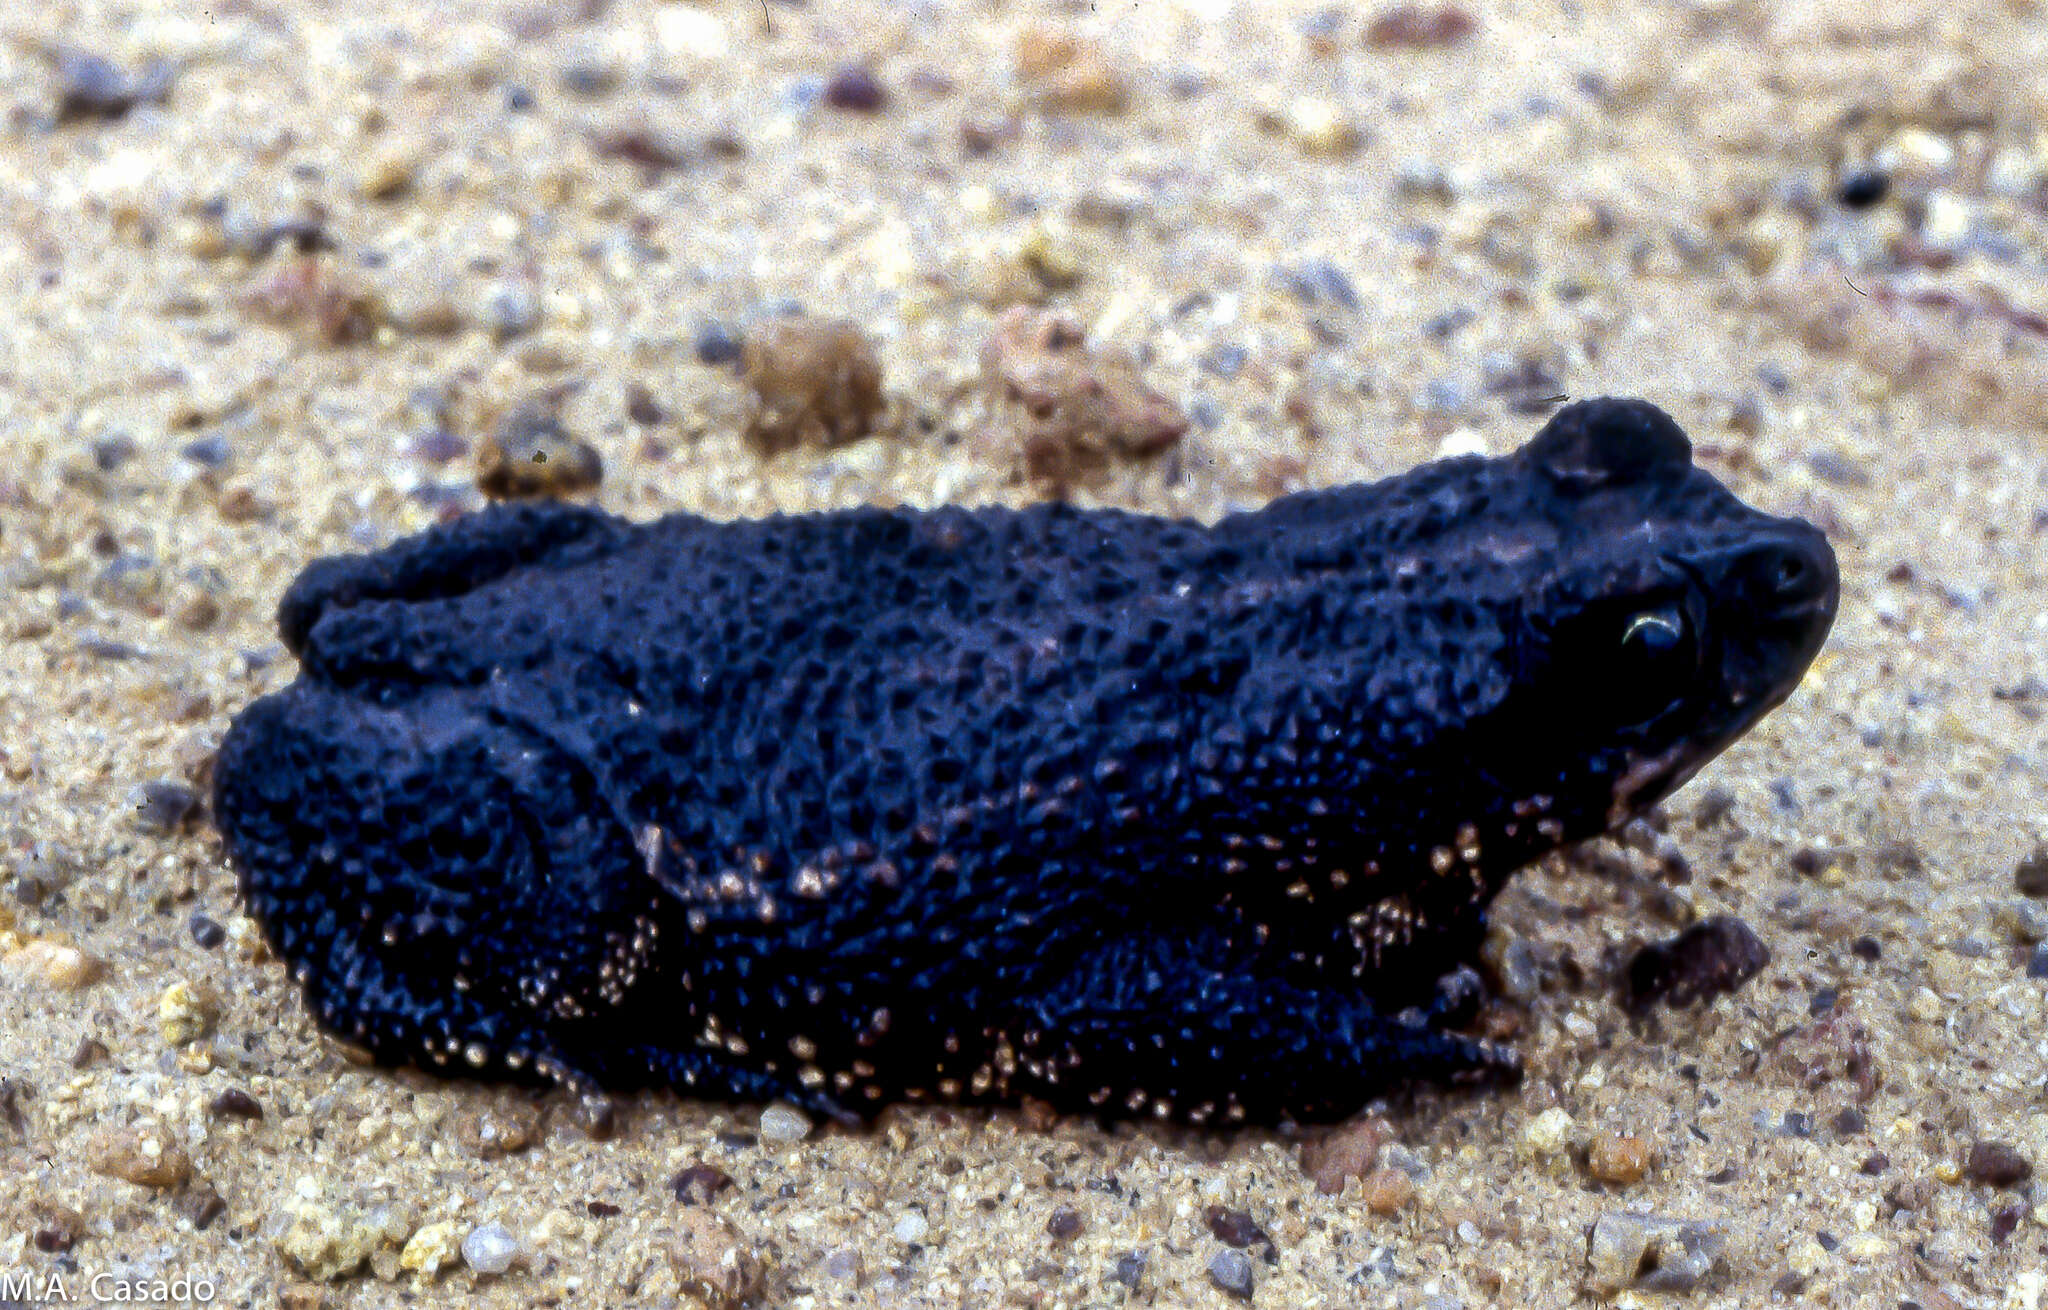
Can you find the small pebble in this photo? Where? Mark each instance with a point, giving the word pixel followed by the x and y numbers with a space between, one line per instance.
pixel 1231 1272
pixel 1065 1224
pixel 1863 188
pixel 784 1123
pixel 1386 1190
pixel 843 1264
pixel 388 172
pixel 57 1227
pixel 200 1203
pixel 185 1012
pixel 511 309
pixel 208 452
pixel 433 1248
pixel 717 345
pixel 855 89
pixel 1653 1253
pixel 1419 27
pixel 589 78
pixel 146 1155
pixel 1618 1159
pixel 56 965
pixel 164 806
pixel 530 454
pixel 489 1248
pixel 1236 1228
pixel 2037 961
pixel 2030 875
pixel 90 85
pixel 816 382
pixel 494 1129
pixel 2025 920
pixel 642 407
pixel 1997 1164
pixel 111 450
pixel 1061 413
pixel 1347 1151
pixel 1548 1133
pixel 912 1228
pixel 234 1103
pixel 1129 1269
pixel 206 933
pixel 1070 75
pixel 1712 958
pixel 713 1262
pixel 1321 127
pixel 319 299
pixel 699 1183
pixel 653 150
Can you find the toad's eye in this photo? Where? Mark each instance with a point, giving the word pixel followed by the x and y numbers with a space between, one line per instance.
pixel 1651 664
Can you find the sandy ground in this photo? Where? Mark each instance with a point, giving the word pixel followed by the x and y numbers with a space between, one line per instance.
pixel 1334 255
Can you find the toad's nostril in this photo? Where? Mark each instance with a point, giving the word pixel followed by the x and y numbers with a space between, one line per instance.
pixel 1790 575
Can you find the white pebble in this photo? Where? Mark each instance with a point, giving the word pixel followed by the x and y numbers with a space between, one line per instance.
pixel 489 1249
pixel 912 1227
pixel 785 1123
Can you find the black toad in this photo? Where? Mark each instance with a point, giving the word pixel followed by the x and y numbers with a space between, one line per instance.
pixel 1113 811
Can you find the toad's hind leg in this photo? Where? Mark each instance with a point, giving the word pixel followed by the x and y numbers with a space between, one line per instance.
pixel 1178 1031
pixel 444 561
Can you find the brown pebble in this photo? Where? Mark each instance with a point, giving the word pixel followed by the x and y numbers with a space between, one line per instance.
pixel 642 407
pixel 234 1103
pixel 1070 75
pixel 816 382
pixel 312 296
pixel 199 613
pixel 1346 1151
pixel 1062 414
pixel 1043 50
pixel 1910 1194
pixel 1065 1224
pixel 1039 1116
pixel 1997 1164
pixel 1236 1228
pixel 2030 875
pixel 241 505
pixel 856 90
pixel 200 1203
pixel 697 1184
pixel 146 1155
pixel 2005 1220
pixel 1420 27
pixel 1618 1158
pixel 656 152
pixel 498 1128
pixel 302 1296
pixel 1712 958
pixel 530 454
pixel 714 1262
pixel 1386 1191
pixel 57 1227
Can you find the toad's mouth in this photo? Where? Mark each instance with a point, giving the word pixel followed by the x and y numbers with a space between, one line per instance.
pixel 1650 778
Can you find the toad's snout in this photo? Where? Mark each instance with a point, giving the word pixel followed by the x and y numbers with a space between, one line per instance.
pixel 1788 580
pixel 1775 601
